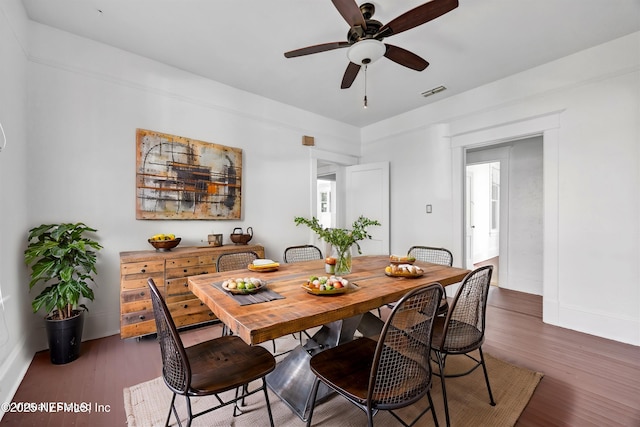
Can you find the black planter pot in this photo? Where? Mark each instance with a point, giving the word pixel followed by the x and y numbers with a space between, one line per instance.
pixel 65 337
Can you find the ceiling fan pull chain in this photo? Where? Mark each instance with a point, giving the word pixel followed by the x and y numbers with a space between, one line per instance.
pixel 365 86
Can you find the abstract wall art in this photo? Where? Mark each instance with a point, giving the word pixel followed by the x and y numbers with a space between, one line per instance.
pixel 182 178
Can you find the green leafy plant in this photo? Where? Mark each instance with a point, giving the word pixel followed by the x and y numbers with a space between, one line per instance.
pixel 340 238
pixel 63 257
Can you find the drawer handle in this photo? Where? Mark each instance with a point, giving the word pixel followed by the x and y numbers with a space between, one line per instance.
pixel 186 306
pixel 141 294
pixel 142 317
pixel 186 285
pixel 143 271
pixel 185 270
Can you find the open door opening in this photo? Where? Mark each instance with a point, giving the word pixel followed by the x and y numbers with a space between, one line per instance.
pixel 342 190
pixel 483 216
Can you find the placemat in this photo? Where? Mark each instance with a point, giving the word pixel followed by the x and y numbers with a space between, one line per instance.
pixel 247 299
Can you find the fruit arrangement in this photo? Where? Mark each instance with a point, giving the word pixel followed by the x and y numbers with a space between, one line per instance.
pixel 327 283
pixel 243 285
pixel 164 242
pixel 405 259
pixel 162 237
pixel 403 270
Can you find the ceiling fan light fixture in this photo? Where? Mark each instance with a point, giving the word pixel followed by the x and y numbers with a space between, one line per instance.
pixel 366 51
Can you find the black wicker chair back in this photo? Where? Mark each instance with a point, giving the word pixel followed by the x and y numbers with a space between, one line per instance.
pixel 235 260
pixel 302 253
pixel 430 254
pixel 393 372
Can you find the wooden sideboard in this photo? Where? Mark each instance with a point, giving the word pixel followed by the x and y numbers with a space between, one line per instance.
pixel 169 270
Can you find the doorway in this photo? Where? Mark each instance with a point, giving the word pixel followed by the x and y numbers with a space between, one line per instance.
pixel 326 195
pixel 504 210
pixel 483 206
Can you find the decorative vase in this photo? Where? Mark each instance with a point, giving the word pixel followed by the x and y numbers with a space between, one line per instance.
pixel 343 260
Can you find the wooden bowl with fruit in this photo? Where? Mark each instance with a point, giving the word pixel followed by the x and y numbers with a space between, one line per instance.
pixel 164 242
pixel 326 285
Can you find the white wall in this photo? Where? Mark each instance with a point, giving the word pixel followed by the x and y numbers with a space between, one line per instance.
pixel 16 317
pixel 595 94
pixel 86 101
pixel 525 216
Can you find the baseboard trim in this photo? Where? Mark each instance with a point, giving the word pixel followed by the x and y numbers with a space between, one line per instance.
pixel 13 371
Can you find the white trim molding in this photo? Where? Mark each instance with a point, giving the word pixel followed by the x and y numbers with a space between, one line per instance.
pixel 546 125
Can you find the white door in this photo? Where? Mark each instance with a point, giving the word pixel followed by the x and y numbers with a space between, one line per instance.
pixel 367 194
pixel 469 217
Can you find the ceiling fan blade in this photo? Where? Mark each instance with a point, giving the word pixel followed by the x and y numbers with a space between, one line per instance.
pixel 417 16
pixel 349 75
pixel 350 12
pixel 316 49
pixel 404 57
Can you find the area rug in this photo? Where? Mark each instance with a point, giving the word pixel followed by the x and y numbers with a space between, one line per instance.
pixel 147 404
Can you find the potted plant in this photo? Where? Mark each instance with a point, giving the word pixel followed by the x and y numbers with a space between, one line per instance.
pixel 341 239
pixel 62 257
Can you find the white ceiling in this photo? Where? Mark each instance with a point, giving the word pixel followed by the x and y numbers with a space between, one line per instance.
pixel 241 43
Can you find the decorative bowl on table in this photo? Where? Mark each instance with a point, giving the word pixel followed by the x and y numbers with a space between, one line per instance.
pixel 403 270
pixel 166 244
pixel 241 286
pixel 324 285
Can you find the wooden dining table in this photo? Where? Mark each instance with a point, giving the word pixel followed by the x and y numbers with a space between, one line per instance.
pixel 339 316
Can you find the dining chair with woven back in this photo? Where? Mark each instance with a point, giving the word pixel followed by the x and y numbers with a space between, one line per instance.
pixel 302 253
pixel 462 330
pixel 392 372
pixel 235 260
pixel 435 256
pixel 205 369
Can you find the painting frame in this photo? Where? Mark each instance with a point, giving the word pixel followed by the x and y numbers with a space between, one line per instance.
pixel 181 178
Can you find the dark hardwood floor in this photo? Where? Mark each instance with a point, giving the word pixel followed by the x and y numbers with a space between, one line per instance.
pixel 589 381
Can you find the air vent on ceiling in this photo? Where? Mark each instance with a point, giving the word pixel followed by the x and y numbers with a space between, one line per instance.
pixel 433 91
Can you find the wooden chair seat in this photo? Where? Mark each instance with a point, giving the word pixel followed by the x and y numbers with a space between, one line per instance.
pixel 461 338
pixel 353 380
pixel 235 364
pixel 335 366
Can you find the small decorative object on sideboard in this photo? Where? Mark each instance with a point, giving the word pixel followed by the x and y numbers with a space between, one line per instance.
pixel 214 240
pixel 240 238
pixel 164 242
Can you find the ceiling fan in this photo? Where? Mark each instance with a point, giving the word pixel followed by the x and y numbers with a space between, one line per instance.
pixel 365 36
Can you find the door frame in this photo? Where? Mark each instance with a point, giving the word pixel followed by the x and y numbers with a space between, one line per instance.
pixel 547 125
